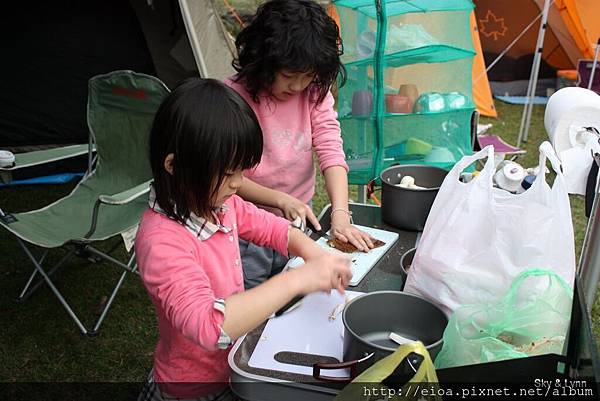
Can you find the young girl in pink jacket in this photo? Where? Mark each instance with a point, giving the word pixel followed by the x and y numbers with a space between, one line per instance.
pixel 204 135
pixel 288 58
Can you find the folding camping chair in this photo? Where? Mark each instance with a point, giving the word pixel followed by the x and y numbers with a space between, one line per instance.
pixel 481 140
pixel 110 199
pixel 500 146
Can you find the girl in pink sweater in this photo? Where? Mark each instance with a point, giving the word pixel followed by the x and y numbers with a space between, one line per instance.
pixel 204 135
pixel 288 58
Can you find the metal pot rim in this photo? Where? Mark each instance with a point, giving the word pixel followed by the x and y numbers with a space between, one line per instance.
pixel 376 346
pixel 414 250
pixel 410 165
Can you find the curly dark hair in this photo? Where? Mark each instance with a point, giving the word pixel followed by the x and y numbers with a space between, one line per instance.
pixel 295 35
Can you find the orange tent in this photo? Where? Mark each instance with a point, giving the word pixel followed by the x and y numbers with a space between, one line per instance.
pixel 482 94
pixel 572 33
pixel 581 18
pixel 573 30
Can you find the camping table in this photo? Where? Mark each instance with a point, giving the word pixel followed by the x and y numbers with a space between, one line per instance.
pixel 256 384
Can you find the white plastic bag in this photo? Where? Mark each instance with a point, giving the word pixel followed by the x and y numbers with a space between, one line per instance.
pixel 478 239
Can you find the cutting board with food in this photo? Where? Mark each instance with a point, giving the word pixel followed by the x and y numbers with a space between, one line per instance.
pixel 361 262
pixel 309 333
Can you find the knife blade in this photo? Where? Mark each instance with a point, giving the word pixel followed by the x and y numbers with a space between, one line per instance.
pixel 310 229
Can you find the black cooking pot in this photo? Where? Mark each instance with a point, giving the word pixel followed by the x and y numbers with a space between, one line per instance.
pixel 406 261
pixel 368 321
pixel 407 208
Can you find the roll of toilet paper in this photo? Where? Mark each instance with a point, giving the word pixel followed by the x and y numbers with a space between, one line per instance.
pixel 570 107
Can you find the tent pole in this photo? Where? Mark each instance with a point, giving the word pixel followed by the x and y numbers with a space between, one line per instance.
pixel 594 65
pixel 526 108
pixel 537 59
pixel 189 25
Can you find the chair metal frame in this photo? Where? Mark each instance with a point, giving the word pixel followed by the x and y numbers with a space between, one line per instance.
pixel 131 266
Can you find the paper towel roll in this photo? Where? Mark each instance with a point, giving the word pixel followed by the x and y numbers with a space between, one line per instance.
pixel 568 111
pixel 567 107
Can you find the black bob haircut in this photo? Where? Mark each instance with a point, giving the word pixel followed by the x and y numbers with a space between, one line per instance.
pixel 211 131
pixel 295 35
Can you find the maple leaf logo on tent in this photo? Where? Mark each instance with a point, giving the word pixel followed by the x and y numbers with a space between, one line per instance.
pixel 492 26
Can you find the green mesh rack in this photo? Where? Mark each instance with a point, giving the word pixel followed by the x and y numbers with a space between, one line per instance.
pixel 408 96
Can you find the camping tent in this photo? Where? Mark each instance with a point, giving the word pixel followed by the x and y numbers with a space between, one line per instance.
pixel 571 33
pixel 51 49
pixel 482 94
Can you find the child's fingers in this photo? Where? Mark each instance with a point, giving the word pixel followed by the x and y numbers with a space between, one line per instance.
pixel 310 216
pixel 334 281
pixel 345 272
pixel 341 236
pixel 359 242
pixel 339 280
pixel 341 288
pixel 342 283
pixel 360 239
pixel 367 238
pixel 290 215
pixel 344 279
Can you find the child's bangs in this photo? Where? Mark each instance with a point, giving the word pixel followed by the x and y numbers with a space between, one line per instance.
pixel 245 145
pixel 313 56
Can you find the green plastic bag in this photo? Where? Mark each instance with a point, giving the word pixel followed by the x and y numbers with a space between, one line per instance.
pixel 532 319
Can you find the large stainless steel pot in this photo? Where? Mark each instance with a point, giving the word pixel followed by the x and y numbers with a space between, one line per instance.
pixel 407 208
pixel 369 320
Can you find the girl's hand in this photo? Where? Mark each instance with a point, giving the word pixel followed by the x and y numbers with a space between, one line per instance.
pixel 293 208
pixel 344 231
pixel 323 273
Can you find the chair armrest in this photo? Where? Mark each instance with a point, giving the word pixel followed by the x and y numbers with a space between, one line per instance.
pixel 126 196
pixel 37 157
pixel 120 198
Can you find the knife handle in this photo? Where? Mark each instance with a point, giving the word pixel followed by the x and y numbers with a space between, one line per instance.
pixel 287 306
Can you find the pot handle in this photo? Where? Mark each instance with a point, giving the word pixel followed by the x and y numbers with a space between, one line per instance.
pixel 353 365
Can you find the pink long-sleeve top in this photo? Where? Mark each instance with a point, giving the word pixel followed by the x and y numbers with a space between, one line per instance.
pixel 185 274
pixel 291 129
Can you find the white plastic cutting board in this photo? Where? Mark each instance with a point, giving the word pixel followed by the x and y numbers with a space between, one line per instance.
pixel 306 329
pixel 361 262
